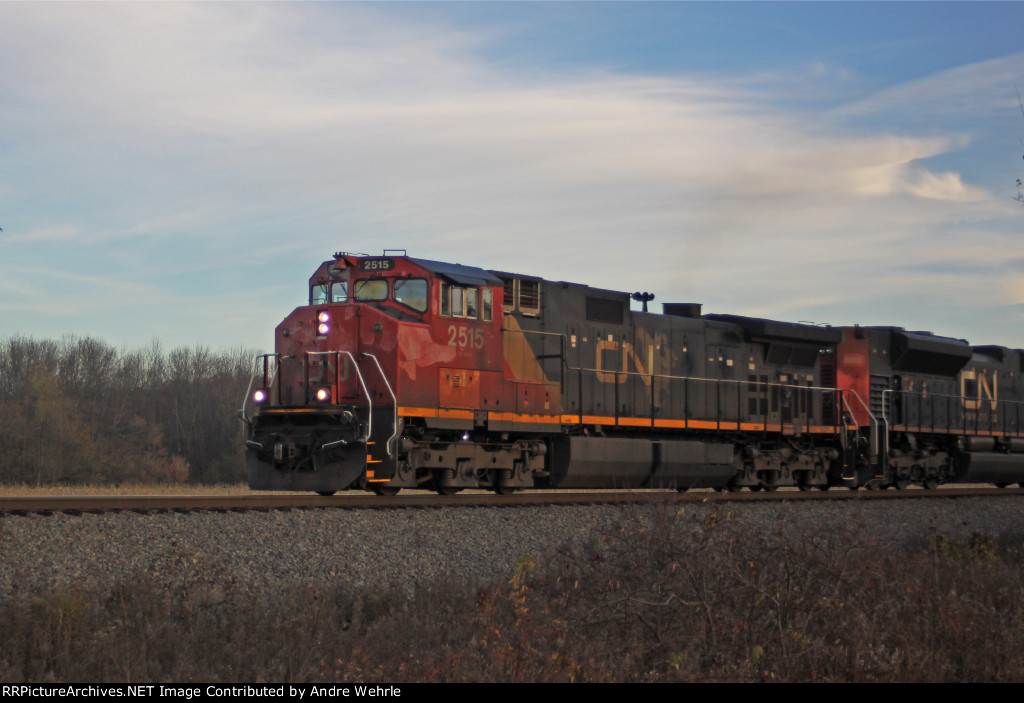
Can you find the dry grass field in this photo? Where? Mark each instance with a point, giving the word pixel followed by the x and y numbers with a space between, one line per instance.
pixel 657 599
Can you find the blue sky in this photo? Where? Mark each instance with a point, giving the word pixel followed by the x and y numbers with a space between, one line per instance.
pixel 177 170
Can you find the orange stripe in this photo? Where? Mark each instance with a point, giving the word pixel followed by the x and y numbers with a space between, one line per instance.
pixel 597 420
pixel 435 412
pixel 417 412
pixel 634 422
pixel 621 422
pixel 955 430
pixel 455 414
pixel 519 417
pixel 672 424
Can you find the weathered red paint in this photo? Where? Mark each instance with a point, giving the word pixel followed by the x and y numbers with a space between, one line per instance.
pixel 424 355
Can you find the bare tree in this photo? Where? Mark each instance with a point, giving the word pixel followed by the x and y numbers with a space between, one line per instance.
pixel 80 410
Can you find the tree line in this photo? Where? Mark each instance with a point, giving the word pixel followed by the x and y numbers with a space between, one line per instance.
pixel 80 411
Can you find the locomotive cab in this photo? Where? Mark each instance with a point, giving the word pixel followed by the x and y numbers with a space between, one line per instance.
pixel 373 331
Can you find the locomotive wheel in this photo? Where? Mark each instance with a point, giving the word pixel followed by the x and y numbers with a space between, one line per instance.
pixel 931 483
pixel 504 490
pixel 446 490
pixel 902 484
pixel 325 493
pixel 386 490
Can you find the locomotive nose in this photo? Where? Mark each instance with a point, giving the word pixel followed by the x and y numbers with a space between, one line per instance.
pixel 293 456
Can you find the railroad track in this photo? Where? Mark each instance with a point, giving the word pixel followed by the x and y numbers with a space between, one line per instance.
pixel 354 501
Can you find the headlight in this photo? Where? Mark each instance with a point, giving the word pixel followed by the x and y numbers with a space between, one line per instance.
pixel 259 395
pixel 323 394
pixel 323 319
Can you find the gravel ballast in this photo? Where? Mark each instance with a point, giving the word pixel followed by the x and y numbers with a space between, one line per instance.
pixel 268 552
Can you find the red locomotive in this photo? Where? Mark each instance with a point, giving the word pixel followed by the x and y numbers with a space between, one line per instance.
pixel 408 373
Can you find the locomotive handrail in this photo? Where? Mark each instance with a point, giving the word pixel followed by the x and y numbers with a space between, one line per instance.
pixel 362 384
pixel 698 378
pixel 561 349
pixel 549 334
pixel 580 370
pixel 248 390
pixel 651 375
pixel 686 379
pixel 245 398
pixel 387 383
pixel 874 421
pixel 359 375
pixel 996 422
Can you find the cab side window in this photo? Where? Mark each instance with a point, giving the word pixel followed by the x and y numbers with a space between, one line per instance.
pixel 488 305
pixel 465 301
pixel 318 294
pixel 445 293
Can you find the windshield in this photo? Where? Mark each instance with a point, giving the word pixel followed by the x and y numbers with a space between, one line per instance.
pixel 339 292
pixel 318 293
pixel 370 289
pixel 412 292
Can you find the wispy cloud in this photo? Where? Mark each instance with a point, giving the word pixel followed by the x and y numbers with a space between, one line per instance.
pixel 50 234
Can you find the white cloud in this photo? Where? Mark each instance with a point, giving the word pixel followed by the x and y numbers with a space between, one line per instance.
pixel 48 234
pixel 1014 291
pixel 942 186
pixel 971 90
